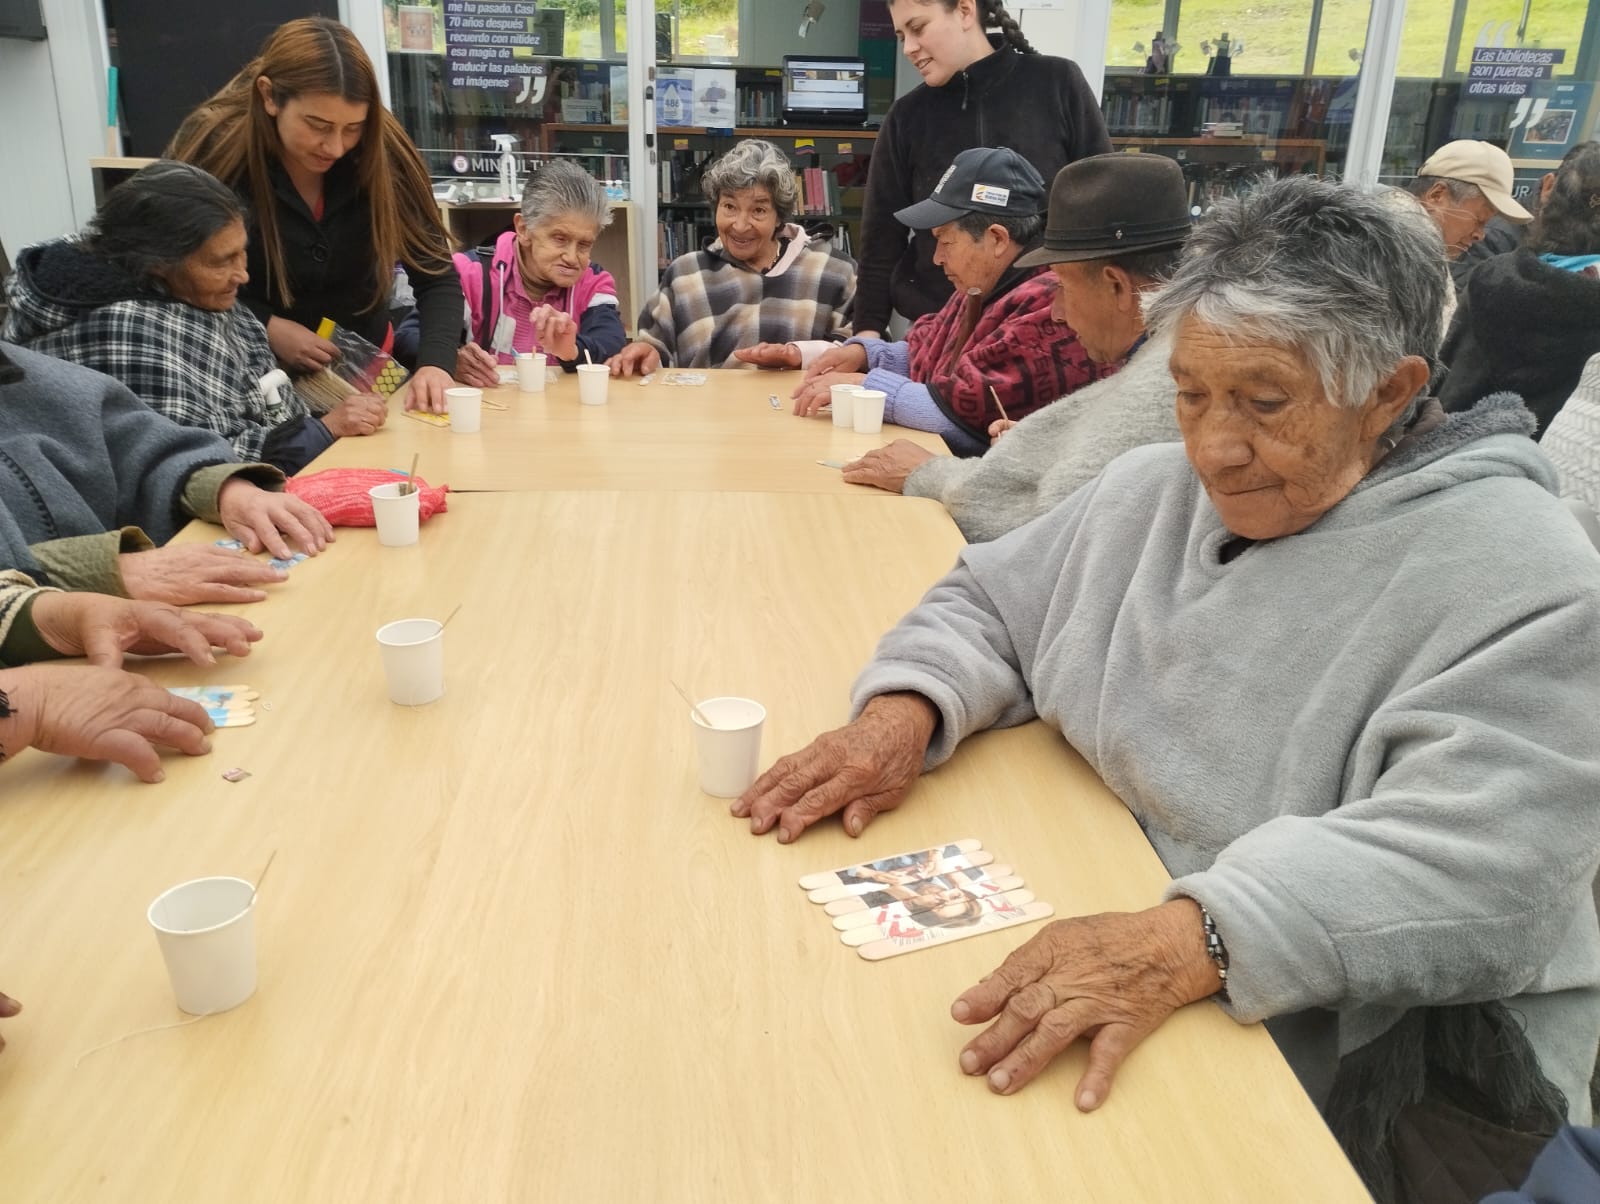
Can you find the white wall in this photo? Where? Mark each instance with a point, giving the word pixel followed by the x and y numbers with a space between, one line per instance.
pixel 52 121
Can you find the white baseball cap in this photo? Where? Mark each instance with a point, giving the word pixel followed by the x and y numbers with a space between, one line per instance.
pixel 1483 164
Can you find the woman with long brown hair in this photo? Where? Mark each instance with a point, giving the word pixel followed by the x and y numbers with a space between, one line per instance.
pixel 338 196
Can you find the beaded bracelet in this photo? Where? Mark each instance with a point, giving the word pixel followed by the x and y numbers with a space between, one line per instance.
pixel 1215 949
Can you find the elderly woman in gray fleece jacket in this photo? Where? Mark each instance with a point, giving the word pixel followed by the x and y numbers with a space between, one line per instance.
pixel 1340 655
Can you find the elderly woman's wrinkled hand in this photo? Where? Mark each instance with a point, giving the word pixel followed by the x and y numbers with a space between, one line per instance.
pixel 862 769
pixel 259 519
pixel 769 355
pixel 476 368
pixel 102 715
pixel 1113 979
pixel 103 628
pixel 299 348
pixel 846 357
pixel 556 331
pixel 358 414
pixel 997 428
pixel 9 1007
pixel 635 358
pixel 817 391
pixel 887 467
pixel 183 574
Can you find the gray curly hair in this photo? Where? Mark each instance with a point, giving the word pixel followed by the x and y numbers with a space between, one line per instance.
pixel 561 187
pixel 754 163
pixel 1352 282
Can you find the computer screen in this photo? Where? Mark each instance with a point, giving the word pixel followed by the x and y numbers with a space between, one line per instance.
pixel 835 87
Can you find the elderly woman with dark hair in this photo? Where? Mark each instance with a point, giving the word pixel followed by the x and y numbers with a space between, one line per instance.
pixel 538 290
pixel 1530 320
pixel 150 295
pixel 1340 655
pixel 763 280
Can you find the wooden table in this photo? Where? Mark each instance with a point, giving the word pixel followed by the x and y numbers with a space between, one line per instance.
pixel 509 952
pixel 720 435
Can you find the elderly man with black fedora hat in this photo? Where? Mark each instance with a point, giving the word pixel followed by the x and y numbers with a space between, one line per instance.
pixel 1116 226
pixel 996 342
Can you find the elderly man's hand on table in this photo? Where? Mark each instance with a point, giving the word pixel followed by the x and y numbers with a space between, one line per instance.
pixel 999 427
pixel 9 1007
pixel 260 519
pixel 863 769
pixel 103 628
pixel 183 574
pixel 769 355
pixel 816 391
pixel 635 359
pixel 99 714
pixel 887 467
pixel 1112 978
pixel 846 357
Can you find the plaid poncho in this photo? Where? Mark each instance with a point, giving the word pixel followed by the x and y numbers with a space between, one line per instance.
pixel 198 367
pixel 710 305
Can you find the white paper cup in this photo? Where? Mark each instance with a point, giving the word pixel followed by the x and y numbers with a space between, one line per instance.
pixel 413 660
pixel 594 380
pixel 730 750
pixel 207 932
pixel 466 410
pixel 868 417
pixel 530 371
pixel 398 514
pixel 843 400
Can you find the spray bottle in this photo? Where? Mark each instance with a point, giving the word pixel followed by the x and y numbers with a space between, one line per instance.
pixel 508 165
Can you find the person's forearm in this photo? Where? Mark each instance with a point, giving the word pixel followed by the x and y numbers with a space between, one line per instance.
pixel 439 316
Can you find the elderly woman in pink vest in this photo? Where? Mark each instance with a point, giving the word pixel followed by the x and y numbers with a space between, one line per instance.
pixel 538 290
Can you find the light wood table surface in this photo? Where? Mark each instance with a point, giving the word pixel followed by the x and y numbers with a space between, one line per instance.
pixel 723 434
pixel 508 950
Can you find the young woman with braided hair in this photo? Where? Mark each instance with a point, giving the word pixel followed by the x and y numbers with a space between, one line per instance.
pixel 978 89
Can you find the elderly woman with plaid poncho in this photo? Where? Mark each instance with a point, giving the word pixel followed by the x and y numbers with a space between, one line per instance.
pixel 763 280
pixel 150 296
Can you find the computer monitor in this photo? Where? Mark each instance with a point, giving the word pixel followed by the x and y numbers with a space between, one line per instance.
pixel 824 90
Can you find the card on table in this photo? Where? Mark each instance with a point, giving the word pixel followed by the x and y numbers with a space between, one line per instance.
pixel 898 862
pixel 284 565
pixel 225 706
pixel 684 378
pixel 947 919
pixel 429 417
pixel 903 938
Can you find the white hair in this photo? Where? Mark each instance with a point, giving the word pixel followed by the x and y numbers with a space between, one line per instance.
pixel 754 163
pixel 560 187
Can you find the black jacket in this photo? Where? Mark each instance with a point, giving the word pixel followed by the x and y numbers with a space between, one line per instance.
pixel 1523 327
pixel 330 267
pixel 1035 104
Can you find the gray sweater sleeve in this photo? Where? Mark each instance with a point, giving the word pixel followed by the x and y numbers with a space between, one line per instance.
pixel 1418 893
pixel 964 649
pixel 1054 451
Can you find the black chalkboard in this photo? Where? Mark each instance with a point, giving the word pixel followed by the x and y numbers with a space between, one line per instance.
pixel 173 54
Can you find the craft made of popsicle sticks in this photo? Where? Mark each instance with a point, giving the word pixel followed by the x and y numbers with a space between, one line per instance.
pixel 985 887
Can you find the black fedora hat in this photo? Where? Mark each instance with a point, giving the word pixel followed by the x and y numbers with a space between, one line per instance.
pixel 1114 204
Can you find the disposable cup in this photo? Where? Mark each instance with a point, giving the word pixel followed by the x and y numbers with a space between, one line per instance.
pixel 207 932
pixel 530 371
pixel 843 400
pixel 730 749
pixel 868 417
pixel 466 410
pixel 594 382
pixel 413 660
pixel 398 514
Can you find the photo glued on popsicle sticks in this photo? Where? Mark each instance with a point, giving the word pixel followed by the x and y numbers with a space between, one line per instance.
pixel 903 936
pixel 225 706
pixel 866 881
pixel 897 922
pixel 904 864
pixel 941 890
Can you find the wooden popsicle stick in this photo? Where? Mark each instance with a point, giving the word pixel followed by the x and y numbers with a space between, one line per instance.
pixel 836 900
pixel 830 877
pixel 863 914
pixel 878 950
pixel 866 933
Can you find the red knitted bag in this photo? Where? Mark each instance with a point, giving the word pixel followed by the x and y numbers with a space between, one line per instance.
pixel 341 494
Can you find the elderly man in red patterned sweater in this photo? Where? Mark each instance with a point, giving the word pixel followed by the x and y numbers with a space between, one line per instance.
pixel 994 343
